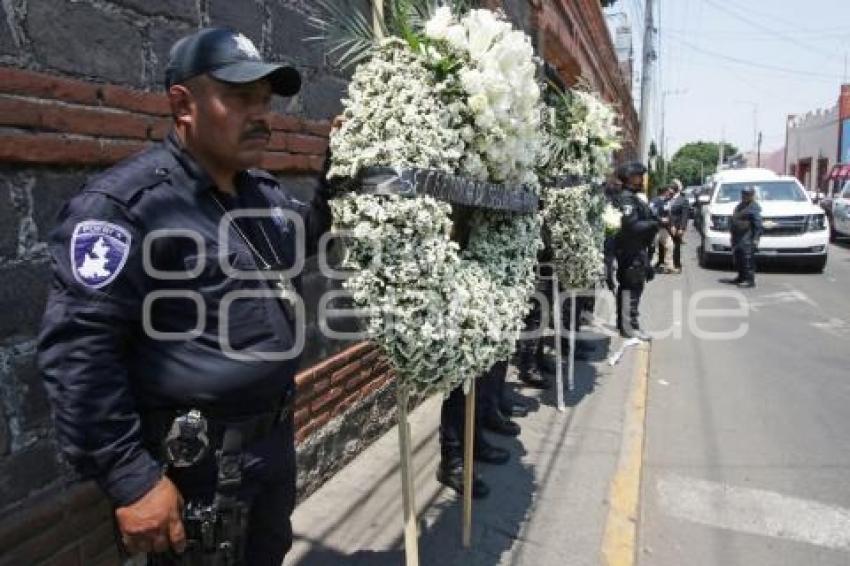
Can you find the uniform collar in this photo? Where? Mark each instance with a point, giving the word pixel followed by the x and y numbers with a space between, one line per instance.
pixel 201 180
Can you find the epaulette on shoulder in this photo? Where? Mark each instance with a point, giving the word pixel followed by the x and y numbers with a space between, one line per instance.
pixel 128 179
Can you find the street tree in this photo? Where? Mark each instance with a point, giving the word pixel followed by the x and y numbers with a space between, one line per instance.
pixel 696 159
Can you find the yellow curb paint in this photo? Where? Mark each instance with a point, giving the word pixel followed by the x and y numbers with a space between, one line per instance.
pixel 620 538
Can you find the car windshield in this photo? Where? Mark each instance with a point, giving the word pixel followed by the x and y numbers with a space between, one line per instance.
pixel 765 191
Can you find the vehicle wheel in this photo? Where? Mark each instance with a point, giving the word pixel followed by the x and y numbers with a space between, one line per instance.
pixel 818 265
pixel 705 260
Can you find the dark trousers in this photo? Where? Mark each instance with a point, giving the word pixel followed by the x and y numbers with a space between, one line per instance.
pixel 268 488
pixel 744 258
pixel 491 390
pixel 489 396
pixel 628 299
pixel 677 250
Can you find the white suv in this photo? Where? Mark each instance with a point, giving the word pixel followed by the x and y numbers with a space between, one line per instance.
pixel 841 212
pixel 794 229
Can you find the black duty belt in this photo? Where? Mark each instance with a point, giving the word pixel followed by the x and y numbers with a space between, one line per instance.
pixel 198 431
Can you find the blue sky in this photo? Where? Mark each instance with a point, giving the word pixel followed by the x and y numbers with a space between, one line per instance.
pixel 722 59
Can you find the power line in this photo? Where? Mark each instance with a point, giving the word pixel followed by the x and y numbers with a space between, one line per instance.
pixel 759 25
pixel 762 66
pixel 726 34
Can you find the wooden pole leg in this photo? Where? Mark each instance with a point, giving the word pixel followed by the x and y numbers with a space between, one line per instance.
pixel 411 534
pixel 468 470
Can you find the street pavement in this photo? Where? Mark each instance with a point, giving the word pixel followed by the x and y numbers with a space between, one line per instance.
pixel 747 454
pixel 548 506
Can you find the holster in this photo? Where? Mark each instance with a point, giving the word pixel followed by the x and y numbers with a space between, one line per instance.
pixel 216 531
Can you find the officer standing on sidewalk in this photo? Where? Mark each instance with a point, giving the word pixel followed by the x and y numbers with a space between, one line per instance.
pixel 632 248
pixel 170 393
pixel 746 229
pixel 680 210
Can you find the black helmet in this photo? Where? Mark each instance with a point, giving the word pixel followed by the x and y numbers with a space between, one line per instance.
pixel 629 170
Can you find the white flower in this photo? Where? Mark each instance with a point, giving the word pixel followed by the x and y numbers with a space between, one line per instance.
pixel 438 26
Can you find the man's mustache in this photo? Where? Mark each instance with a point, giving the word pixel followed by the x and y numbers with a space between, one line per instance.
pixel 257 131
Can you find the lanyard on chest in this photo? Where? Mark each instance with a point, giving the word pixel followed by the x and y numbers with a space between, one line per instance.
pixel 273 267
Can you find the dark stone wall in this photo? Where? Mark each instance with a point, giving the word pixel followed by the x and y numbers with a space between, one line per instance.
pixel 124 42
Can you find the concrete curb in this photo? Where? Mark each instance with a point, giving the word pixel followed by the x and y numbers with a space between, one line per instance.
pixel 620 538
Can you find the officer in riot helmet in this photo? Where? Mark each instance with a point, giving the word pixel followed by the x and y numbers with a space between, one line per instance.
pixel 746 230
pixel 169 393
pixel 632 248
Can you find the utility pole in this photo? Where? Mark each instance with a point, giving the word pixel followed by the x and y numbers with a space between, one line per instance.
pixel 649 57
pixel 720 156
pixel 758 151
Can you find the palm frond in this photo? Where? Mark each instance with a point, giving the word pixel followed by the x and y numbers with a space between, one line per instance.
pixel 348 33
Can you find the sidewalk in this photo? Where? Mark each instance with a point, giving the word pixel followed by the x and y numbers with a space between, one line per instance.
pixel 547 506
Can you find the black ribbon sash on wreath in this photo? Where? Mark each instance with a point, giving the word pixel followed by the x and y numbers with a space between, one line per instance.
pixel 411 182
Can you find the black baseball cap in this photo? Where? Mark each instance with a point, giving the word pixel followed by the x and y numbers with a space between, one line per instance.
pixel 228 56
pixel 748 190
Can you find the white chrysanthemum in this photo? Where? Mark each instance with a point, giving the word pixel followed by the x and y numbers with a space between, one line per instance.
pixel 504 97
pixel 574 220
pixel 396 115
pixel 442 316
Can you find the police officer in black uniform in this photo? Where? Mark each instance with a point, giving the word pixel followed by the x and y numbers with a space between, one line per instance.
pixel 746 229
pixel 172 331
pixel 632 248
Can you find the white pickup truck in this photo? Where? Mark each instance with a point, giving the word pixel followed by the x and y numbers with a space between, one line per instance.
pixel 795 230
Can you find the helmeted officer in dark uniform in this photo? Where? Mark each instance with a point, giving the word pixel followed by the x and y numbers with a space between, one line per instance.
pixel 173 327
pixel 746 229
pixel 632 248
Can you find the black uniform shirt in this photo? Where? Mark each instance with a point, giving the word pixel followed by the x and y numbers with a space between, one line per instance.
pixel 746 224
pixel 117 249
pixel 638 225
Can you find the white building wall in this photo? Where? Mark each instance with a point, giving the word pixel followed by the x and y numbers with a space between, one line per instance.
pixel 812 136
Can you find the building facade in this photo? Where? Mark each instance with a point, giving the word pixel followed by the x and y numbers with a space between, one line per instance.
pixel 817 142
pixel 80 89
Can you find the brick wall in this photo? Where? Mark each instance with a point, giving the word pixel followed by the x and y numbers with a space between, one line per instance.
pixel 80 90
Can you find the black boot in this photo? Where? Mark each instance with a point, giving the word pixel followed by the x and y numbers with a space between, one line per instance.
pixel 496 422
pixel 450 474
pixel 488 453
pixel 529 372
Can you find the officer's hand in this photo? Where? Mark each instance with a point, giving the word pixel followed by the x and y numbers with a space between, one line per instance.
pixel 153 523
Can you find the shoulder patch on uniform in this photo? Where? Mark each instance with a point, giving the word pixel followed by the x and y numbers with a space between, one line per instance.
pixel 628 209
pixel 99 250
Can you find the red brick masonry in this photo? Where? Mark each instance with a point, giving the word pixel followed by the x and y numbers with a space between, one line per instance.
pixel 50 120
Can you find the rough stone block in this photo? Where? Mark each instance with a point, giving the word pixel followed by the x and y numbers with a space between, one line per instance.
pixel 22 298
pixel 51 191
pixel 8 224
pixel 245 16
pixel 162 37
pixel 4 434
pixel 34 405
pixel 178 9
pixel 322 96
pixel 27 471
pixel 289 30
pixel 81 39
pixel 7 45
